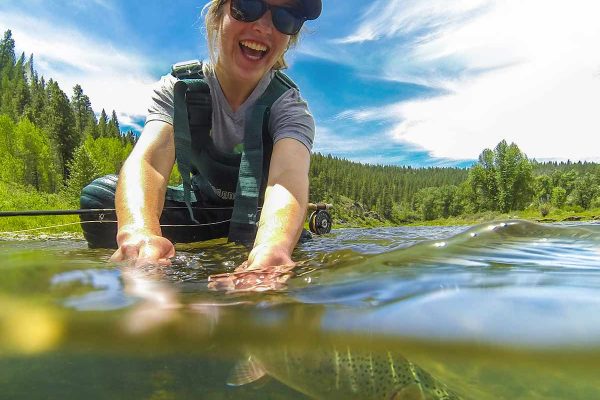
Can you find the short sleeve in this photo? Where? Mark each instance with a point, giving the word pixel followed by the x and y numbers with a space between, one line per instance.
pixel 290 118
pixel 161 105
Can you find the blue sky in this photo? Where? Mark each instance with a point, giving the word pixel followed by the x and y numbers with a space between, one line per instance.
pixel 401 82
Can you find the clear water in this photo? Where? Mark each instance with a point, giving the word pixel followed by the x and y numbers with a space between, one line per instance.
pixel 497 311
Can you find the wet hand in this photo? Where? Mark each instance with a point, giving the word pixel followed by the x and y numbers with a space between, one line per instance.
pixel 140 248
pixel 255 280
pixel 267 268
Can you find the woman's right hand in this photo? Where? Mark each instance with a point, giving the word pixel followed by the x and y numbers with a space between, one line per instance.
pixel 140 248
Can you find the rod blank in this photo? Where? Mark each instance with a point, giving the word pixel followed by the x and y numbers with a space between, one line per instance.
pixel 45 213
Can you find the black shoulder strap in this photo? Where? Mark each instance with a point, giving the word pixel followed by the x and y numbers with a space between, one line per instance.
pixel 244 220
pixel 192 111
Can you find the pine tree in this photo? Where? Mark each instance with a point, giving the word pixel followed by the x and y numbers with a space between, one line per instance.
pixel 103 125
pixel 20 93
pixel 31 75
pixel 59 121
pixel 7 53
pixel 82 111
pixel 130 137
pixel 34 110
pixel 91 127
pixel 113 128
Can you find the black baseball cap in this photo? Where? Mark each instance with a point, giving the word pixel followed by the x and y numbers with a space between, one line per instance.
pixel 312 8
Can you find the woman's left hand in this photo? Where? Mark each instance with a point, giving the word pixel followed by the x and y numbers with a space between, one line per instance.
pixel 267 268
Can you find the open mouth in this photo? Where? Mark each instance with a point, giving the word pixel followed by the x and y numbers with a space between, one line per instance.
pixel 253 50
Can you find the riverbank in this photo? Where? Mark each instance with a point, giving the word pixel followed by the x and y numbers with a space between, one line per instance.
pixel 350 214
pixel 346 213
pixel 17 198
pixel 475 219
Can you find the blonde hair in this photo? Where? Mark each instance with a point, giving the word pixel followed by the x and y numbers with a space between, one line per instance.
pixel 214 12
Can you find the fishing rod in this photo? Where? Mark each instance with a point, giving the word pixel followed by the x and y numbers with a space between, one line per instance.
pixel 95 211
pixel 319 220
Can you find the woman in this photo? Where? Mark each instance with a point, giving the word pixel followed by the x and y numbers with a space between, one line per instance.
pixel 247 40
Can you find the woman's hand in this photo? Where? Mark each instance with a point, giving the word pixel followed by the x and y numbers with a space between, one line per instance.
pixel 140 247
pixel 267 268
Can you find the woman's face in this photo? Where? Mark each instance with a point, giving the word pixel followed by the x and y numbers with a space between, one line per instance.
pixel 249 49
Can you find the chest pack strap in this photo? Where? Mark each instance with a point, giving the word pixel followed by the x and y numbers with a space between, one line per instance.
pixel 244 220
pixel 193 111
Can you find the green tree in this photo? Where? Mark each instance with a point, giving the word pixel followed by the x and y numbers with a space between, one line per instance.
pixel 11 168
pixel 585 190
pixel 34 150
pixel 385 203
pixel 83 171
pixel 35 109
pixel 108 154
pixel 7 53
pixel 103 125
pixel 60 125
pixel 543 188
pixel 113 129
pixel 82 111
pixel 559 197
pixel 427 203
pixel 502 180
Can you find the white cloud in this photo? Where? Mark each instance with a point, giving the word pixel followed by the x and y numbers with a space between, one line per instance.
pixel 114 78
pixel 329 142
pixel 107 5
pixel 386 18
pixel 522 70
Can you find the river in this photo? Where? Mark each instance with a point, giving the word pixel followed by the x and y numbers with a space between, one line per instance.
pixel 505 310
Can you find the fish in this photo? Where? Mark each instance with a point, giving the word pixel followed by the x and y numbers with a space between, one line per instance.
pixel 342 373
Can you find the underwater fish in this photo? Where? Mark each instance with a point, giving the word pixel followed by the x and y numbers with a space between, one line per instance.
pixel 335 373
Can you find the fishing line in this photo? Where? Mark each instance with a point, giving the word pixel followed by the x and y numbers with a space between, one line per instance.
pixel 39 229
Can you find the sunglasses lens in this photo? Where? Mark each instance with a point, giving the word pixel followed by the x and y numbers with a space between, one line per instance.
pixel 286 21
pixel 247 10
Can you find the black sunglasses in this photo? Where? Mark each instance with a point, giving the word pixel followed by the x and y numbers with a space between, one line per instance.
pixel 287 20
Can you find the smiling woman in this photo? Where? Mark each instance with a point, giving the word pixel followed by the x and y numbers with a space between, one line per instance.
pixel 250 11
pixel 241 135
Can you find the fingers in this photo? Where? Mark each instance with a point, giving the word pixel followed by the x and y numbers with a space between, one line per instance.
pixel 144 251
pixel 125 252
pixel 250 281
pixel 117 256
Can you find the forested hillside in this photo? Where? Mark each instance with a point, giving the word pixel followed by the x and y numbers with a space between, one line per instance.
pixel 53 144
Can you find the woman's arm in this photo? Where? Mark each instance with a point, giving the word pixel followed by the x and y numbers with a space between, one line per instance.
pixel 284 209
pixel 140 197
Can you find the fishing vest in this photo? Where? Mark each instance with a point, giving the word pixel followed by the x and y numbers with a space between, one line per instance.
pixel 206 167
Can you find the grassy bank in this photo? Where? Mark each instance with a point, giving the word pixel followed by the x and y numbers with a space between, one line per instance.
pixel 350 214
pixel 531 215
pixel 346 213
pixel 17 198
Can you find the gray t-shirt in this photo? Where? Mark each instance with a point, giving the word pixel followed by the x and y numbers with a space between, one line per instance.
pixel 289 118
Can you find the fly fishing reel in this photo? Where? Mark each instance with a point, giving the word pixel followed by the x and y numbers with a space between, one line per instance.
pixel 320 220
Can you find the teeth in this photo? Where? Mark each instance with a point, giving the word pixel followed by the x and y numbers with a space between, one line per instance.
pixel 253 45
